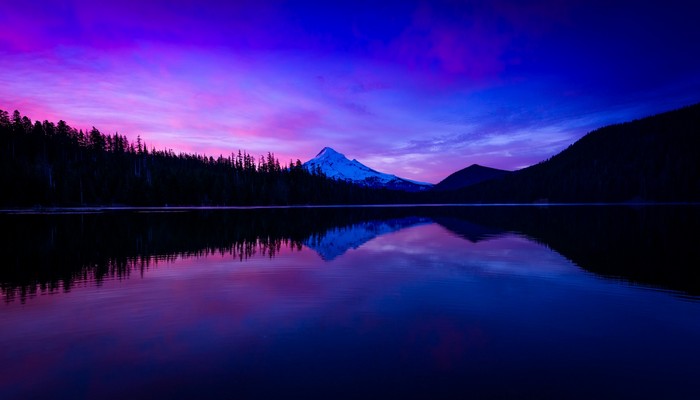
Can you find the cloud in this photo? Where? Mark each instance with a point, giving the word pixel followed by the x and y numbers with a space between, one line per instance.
pixel 450 48
pixel 418 89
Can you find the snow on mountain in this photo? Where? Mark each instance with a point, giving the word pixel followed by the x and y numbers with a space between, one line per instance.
pixel 336 166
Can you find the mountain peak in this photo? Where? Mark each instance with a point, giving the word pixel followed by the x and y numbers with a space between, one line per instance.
pixel 336 166
pixel 328 151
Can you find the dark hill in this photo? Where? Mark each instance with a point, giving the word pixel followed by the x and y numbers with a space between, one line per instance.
pixel 471 175
pixel 651 159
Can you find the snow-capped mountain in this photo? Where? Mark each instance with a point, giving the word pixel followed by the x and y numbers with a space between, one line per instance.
pixel 336 166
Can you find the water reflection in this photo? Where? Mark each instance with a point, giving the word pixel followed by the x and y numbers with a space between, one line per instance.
pixel 336 241
pixel 480 302
pixel 45 253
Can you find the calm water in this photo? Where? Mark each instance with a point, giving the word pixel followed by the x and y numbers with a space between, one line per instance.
pixel 432 302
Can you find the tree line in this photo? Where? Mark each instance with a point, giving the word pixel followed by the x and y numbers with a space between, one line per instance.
pixel 54 164
pixel 47 164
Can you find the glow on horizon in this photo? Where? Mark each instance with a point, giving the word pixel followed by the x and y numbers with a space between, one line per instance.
pixel 419 90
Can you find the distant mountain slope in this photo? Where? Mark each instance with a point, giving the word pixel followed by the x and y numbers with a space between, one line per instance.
pixel 468 176
pixel 335 165
pixel 651 159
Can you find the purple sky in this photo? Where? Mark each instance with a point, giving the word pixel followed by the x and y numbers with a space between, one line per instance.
pixel 415 89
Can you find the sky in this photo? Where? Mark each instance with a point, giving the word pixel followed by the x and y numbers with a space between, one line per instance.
pixel 417 89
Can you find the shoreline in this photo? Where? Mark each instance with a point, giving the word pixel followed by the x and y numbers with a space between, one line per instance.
pixel 94 209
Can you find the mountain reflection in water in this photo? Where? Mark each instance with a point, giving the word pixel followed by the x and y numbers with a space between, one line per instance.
pixel 47 252
pixel 402 302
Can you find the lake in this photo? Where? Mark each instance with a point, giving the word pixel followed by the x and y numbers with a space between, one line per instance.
pixel 352 302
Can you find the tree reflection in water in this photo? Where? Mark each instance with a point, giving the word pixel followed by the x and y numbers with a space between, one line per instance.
pixel 51 252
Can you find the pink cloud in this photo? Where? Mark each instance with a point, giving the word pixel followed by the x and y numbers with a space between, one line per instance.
pixel 211 103
pixel 420 98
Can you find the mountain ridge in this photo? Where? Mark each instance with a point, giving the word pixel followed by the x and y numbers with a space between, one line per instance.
pixel 470 175
pixel 647 159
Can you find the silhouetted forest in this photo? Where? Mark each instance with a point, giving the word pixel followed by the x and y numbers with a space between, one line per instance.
pixel 49 164
pixel 650 159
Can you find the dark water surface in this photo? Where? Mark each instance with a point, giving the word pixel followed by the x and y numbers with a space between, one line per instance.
pixel 426 302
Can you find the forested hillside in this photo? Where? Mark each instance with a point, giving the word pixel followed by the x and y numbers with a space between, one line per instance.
pixel 651 159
